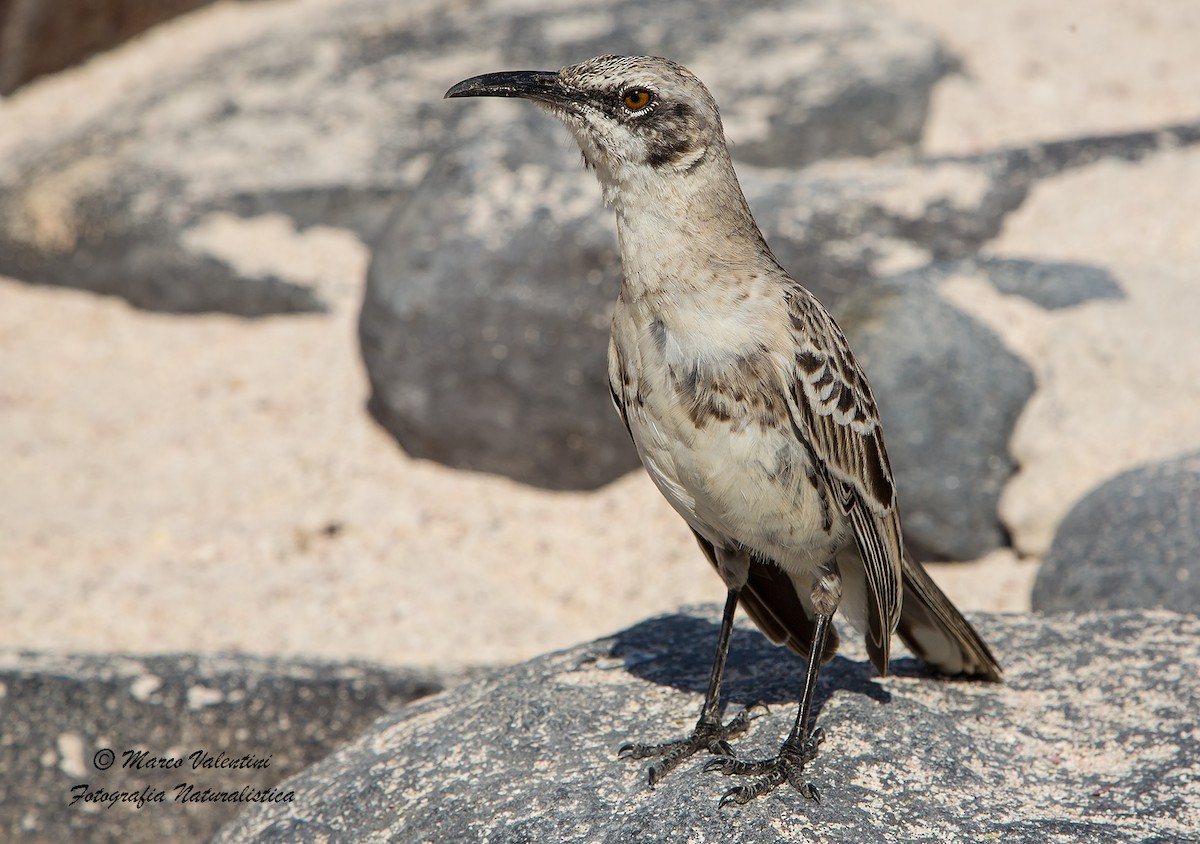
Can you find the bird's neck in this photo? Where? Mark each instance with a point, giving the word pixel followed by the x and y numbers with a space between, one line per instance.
pixel 683 231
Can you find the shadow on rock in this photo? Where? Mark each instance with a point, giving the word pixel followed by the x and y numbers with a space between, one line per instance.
pixel 677 650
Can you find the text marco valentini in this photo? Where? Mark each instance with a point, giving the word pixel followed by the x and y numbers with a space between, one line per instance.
pixel 184 792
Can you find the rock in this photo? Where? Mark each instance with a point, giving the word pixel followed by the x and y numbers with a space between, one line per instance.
pixel 1050 284
pixel 949 393
pixel 1133 542
pixel 291 122
pixel 1117 382
pixel 1089 739
pixel 799 83
pixel 484 326
pixel 61 712
pixel 49 35
pixel 497 279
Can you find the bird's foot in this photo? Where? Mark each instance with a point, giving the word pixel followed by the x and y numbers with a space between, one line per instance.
pixel 708 735
pixel 787 767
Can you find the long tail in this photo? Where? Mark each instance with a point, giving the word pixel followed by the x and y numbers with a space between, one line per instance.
pixel 936 631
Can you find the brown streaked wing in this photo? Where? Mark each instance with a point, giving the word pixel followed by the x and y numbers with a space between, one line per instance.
pixel 835 415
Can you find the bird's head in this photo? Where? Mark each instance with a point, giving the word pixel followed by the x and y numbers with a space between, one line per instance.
pixel 629 114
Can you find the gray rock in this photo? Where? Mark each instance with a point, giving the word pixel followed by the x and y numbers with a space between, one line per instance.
pixel 1133 542
pixel 1051 284
pixel 949 393
pixel 1090 739
pixel 484 326
pixel 799 82
pixel 830 226
pixel 485 319
pixel 332 118
pixel 58 714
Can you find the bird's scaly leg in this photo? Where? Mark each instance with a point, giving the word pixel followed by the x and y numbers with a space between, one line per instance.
pixel 797 751
pixel 710 734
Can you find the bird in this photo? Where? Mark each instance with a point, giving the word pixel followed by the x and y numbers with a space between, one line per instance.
pixel 747 407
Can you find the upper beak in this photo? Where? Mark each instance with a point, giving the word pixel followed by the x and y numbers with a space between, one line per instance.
pixel 541 85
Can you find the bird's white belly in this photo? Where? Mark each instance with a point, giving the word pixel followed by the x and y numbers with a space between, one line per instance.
pixel 738 482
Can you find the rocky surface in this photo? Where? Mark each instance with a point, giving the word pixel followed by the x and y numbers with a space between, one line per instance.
pixel 272 718
pixel 484 326
pixel 1134 542
pixel 494 265
pixel 1089 739
pixel 333 119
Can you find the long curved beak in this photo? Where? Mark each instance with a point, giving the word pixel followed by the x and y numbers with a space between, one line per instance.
pixel 541 85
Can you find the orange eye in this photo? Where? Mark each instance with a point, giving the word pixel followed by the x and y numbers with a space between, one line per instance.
pixel 637 99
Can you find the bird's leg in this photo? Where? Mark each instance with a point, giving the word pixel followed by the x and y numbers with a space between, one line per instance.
pixel 710 734
pixel 798 750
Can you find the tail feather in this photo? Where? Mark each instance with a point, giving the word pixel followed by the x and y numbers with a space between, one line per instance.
pixel 930 625
pixel 935 631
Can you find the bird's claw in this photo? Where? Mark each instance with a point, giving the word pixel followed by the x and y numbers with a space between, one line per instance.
pixel 729 766
pixel 710 736
pixel 787 767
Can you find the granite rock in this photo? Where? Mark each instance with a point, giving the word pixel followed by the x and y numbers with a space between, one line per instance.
pixel 1089 739
pixel 63 717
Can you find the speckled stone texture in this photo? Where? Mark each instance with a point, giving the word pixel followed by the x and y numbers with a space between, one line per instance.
pixel 1091 739
pixel 60 713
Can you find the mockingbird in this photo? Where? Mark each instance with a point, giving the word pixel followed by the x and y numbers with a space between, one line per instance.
pixel 745 403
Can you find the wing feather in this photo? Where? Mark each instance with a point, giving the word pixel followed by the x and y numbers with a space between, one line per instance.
pixel 616 381
pixel 835 416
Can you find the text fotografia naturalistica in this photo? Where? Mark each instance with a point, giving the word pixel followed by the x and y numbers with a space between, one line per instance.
pixel 184 793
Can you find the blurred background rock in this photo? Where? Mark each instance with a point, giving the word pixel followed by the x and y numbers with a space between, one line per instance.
pixel 307 234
